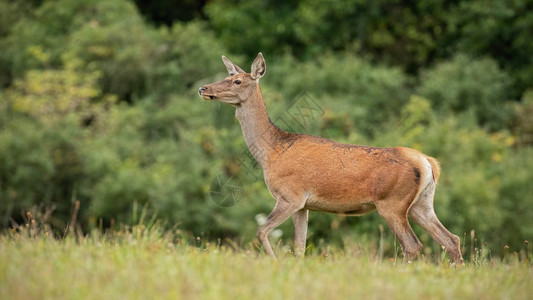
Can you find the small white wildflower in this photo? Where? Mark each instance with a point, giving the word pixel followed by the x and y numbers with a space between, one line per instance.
pixel 276 233
pixel 260 219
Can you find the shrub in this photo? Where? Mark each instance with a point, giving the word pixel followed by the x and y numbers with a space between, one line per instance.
pixel 347 87
pixel 466 84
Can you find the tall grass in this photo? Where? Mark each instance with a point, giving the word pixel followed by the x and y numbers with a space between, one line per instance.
pixel 146 262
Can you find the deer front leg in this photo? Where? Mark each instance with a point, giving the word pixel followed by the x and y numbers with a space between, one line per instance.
pixel 282 211
pixel 299 219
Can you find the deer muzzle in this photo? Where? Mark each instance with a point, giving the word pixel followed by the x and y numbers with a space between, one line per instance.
pixel 206 96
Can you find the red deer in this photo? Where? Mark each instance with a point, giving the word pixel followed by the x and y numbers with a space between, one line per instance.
pixel 305 172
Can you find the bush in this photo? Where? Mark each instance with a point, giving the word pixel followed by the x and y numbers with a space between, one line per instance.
pixel 186 54
pixel 111 38
pixel 346 86
pixel 43 120
pixel 498 29
pixel 465 84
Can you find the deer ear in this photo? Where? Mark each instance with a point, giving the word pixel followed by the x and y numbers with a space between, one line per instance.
pixel 258 67
pixel 232 68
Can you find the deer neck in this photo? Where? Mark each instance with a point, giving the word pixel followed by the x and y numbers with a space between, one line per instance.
pixel 260 134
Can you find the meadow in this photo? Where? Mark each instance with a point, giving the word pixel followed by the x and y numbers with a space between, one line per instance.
pixel 147 263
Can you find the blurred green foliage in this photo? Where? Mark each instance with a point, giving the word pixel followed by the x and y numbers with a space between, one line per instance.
pixel 99 105
pixel 465 84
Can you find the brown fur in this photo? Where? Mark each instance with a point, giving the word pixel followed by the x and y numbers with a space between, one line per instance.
pixel 304 172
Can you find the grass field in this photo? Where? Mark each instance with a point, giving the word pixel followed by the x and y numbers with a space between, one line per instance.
pixel 142 264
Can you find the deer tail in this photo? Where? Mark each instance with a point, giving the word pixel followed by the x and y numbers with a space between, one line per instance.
pixel 435 168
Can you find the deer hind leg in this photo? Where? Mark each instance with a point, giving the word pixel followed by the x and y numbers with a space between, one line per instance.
pixel 396 218
pixel 282 211
pixel 423 214
pixel 299 219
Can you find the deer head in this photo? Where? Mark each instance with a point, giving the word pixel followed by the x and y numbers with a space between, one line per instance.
pixel 239 86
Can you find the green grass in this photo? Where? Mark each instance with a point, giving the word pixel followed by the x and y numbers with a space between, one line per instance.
pixel 143 264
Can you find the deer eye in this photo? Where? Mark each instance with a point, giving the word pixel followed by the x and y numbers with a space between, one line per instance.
pixel 237 82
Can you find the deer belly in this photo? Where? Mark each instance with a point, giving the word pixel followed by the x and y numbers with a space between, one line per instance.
pixel 351 208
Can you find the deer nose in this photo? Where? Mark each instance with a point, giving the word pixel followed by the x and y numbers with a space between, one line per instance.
pixel 200 90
